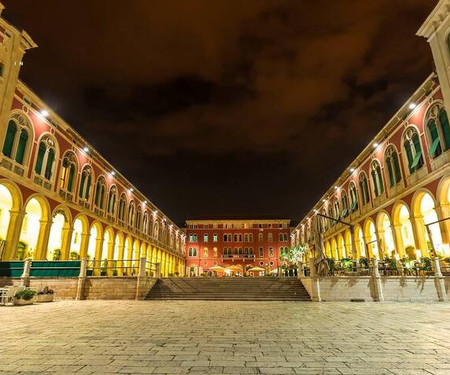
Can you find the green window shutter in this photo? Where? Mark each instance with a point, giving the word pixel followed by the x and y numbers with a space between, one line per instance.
pixel 418 150
pixel 97 193
pixel 409 156
pixel 375 185
pixel 9 138
pixel 88 187
pixel 49 166
pixel 108 206
pixel 390 172
pixel 22 146
pixel 443 119
pixel 435 148
pixel 380 179
pixel 71 177
pixel 433 152
pixel 83 180
pixel 102 195
pixel 40 158
pixel 398 173
pixel 416 160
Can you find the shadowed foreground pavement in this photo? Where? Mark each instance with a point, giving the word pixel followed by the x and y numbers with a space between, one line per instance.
pixel 197 337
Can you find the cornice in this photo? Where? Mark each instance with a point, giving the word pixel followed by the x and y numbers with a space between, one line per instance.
pixel 435 19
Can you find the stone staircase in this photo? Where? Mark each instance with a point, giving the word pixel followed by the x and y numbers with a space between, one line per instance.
pixel 229 289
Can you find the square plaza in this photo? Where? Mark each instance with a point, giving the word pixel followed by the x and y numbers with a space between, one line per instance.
pixel 225 337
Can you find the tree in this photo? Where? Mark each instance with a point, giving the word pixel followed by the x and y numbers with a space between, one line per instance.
pixel 294 254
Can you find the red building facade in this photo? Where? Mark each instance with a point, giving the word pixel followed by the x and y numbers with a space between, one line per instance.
pixel 240 243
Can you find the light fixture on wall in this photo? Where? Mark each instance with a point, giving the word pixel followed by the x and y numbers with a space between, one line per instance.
pixel 86 149
pixel 412 105
pixel 113 173
pixel 375 145
pixel 44 113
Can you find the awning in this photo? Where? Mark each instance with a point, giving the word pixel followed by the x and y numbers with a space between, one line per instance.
pixel 256 269
pixel 216 268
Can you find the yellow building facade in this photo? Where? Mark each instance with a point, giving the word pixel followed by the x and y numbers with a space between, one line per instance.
pixel 59 198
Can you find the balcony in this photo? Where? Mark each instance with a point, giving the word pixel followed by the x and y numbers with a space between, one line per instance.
pixel 238 256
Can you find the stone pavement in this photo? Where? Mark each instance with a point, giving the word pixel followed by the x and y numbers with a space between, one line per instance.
pixel 197 337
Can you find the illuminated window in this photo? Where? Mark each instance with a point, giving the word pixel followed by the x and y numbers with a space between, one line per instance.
pixel 205 252
pixel 215 252
pixel 270 237
pixel 270 251
pixel 260 237
pixel 215 237
pixel 205 237
pixel 68 172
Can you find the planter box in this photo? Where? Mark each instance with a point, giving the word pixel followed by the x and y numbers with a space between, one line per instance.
pixel 44 297
pixel 22 302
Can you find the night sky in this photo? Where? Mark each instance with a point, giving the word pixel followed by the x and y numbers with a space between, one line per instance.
pixel 226 107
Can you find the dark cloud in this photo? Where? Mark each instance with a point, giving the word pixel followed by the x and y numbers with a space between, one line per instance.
pixel 226 105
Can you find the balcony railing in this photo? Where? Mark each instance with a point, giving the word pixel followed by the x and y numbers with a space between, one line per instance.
pixel 238 256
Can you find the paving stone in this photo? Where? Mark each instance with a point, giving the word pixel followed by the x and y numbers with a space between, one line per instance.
pixel 225 337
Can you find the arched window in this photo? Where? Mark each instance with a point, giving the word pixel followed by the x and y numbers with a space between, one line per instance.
pixel 225 237
pixel 112 198
pixel 438 130
pixel 150 226
pixel 411 143
pixel 122 205
pixel 331 214
pixel 364 189
pixel 337 210
pixel 260 237
pixel 344 201
pixel 138 218
pixel 16 145
pixel 68 172
pixel 131 214
pixel 205 237
pixel 145 223
pixel 393 166
pixel 353 197
pixel 45 158
pixel 215 237
pixel 85 183
pixel 270 237
pixel 377 179
pixel 100 189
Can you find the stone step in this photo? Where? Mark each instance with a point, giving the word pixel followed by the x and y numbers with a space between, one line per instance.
pixel 236 289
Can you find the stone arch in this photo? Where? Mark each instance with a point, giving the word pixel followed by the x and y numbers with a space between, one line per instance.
pixel 371 239
pixel 334 249
pixel 384 225
pixel 359 242
pixel 423 206
pixel 35 228
pixel 341 246
pixel 404 231
pixel 60 234
pixel 348 244
pixel 94 252
pixel 80 236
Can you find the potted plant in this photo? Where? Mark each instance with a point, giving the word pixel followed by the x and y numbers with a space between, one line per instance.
pixel 45 295
pixel 24 297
